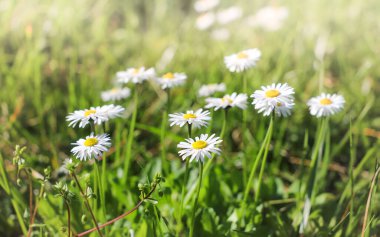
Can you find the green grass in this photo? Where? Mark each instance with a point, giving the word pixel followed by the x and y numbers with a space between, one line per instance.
pixel 57 56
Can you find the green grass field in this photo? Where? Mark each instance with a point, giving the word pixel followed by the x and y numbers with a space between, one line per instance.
pixel 58 56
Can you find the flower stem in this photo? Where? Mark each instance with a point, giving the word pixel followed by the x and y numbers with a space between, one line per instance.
pixel 264 160
pixel 224 124
pixel 68 219
pixel 312 177
pixel 196 200
pixel 163 132
pixel 257 160
pixel 87 204
pixel 130 137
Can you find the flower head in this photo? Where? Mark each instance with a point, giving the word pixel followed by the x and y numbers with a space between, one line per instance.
pixel 228 101
pixel 200 147
pixel 115 94
pixel 197 119
pixel 205 21
pixel 135 75
pixel 275 97
pixel 325 105
pixel 91 147
pixel 243 60
pixel 97 115
pixel 269 18
pixel 170 80
pixel 205 5
pixel 229 15
pixel 207 90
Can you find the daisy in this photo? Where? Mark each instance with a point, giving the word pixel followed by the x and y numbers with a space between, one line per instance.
pixel 207 90
pixel 135 75
pixel 97 115
pixel 243 60
pixel 200 147
pixel 198 118
pixel 91 147
pixel 325 105
pixel 205 21
pixel 229 15
pixel 275 97
pixel 228 101
pixel 205 5
pixel 112 111
pixel 115 94
pixel 269 18
pixel 170 80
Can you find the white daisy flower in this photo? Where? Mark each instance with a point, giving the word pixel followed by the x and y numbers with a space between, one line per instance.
pixel 97 115
pixel 229 15
pixel 115 94
pixel 269 18
pixel 325 105
pixel 277 97
pixel 170 80
pixel 243 60
pixel 91 147
pixel 112 111
pixel 83 117
pixel 200 147
pixel 205 21
pixel 135 75
pixel 220 34
pixel 228 101
pixel 205 5
pixel 207 90
pixel 197 119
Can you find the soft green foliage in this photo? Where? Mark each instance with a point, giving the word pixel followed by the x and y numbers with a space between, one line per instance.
pixel 57 56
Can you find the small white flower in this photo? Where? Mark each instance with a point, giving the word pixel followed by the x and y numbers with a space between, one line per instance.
pixel 220 34
pixel 269 18
pixel 205 5
pixel 197 119
pixel 229 15
pixel 98 115
pixel 200 147
pixel 112 111
pixel 228 101
pixel 170 80
pixel 205 21
pixel 135 75
pixel 277 97
pixel 325 105
pixel 207 90
pixel 243 60
pixel 115 94
pixel 91 147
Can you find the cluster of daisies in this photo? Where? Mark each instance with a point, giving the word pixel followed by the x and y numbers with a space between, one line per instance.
pixel 275 99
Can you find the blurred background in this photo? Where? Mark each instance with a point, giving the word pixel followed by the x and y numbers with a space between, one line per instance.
pixel 57 56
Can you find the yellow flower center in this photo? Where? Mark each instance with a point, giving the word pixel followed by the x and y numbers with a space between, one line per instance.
pixel 136 71
pixel 227 99
pixel 242 55
pixel 189 116
pixel 115 90
pixel 89 112
pixel 199 144
pixel 92 141
pixel 168 75
pixel 272 93
pixel 325 101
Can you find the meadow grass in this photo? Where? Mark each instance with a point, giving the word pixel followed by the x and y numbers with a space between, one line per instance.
pixel 57 56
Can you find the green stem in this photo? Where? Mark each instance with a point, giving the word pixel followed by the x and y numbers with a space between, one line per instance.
pixel 87 204
pixel 196 200
pixel 163 131
pixel 257 160
pixel 184 185
pixel 68 219
pixel 311 179
pixel 224 124
pixel 263 163
pixel 130 136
